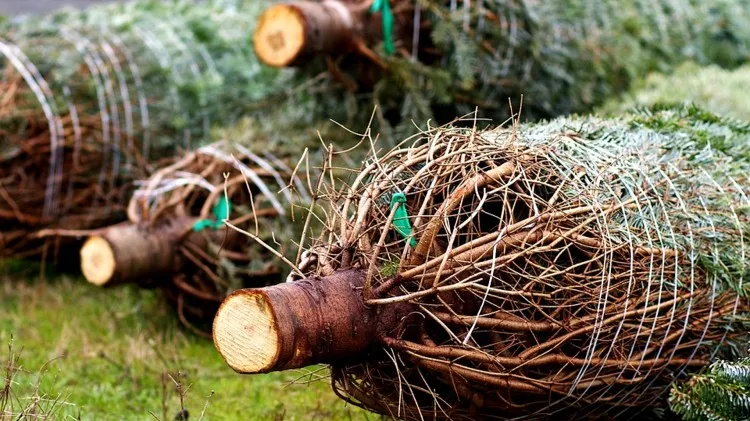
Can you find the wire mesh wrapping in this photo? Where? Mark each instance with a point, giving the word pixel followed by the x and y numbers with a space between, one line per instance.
pixel 565 57
pixel 570 268
pixel 452 56
pixel 196 194
pixel 92 99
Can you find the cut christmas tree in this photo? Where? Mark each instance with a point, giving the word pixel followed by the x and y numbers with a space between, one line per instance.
pixel 720 90
pixel 577 266
pixel 425 58
pixel 94 99
pixel 176 238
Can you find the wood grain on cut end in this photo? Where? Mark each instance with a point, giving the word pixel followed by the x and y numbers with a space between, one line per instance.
pixel 246 334
pixel 98 261
pixel 279 38
pixel 297 324
pixel 130 253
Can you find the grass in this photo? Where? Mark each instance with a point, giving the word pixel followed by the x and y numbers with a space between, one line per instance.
pixel 118 355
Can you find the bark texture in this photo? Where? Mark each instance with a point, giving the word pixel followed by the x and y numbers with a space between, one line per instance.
pixel 133 253
pixel 293 325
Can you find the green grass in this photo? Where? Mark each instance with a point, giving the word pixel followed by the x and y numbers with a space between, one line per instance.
pixel 105 354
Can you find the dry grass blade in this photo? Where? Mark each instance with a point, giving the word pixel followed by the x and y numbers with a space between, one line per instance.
pixel 38 405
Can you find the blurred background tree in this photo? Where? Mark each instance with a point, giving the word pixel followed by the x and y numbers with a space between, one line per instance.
pixel 719 90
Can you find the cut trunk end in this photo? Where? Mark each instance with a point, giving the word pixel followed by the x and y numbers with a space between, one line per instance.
pixel 289 33
pixel 129 253
pixel 294 325
pixel 246 332
pixel 98 261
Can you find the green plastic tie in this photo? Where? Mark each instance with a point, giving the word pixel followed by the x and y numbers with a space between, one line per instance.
pixel 221 211
pixel 401 218
pixel 384 7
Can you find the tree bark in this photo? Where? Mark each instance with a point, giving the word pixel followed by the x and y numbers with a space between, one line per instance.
pixel 294 325
pixel 131 253
pixel 290 33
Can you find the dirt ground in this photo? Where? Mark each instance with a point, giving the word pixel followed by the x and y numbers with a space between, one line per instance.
pixel 19 7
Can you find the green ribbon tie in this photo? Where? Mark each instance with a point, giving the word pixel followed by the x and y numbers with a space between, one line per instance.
pixel 384 7
pixel 221 211
pixel 401 218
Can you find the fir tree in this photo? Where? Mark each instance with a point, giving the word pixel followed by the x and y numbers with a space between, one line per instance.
pixel 722 393
pixel 720 90
pixel 93 98
pixel 562 56
pixel 628 235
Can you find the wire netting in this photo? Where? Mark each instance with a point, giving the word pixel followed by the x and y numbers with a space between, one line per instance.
pixel 562 56
pixel 93 99
pixel 253 192
pixel 578 266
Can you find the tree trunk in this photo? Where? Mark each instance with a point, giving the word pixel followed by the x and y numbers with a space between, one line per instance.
pixel 289 33
pixel 293 325
pixel 132 253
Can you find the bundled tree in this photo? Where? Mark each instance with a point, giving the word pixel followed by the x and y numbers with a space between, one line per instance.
pixel 93 99
pixel 720 90
pixel 723 393
pixel 577 266
pixel 444 58
pixel 176 238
